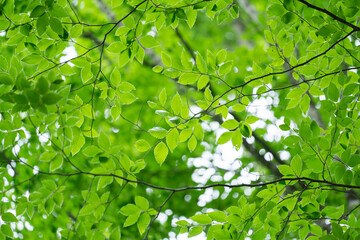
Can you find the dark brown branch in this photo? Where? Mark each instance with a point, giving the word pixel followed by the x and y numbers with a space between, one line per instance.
pixel 186 45
pixel 355 28
pixel 252 149
pixel 157 215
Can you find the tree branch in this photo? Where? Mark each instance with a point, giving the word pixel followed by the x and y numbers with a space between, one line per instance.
pixel 355 28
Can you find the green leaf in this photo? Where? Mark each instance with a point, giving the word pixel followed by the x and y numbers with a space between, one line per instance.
pixel 333 92
pixel 349 89
pixel 221 56
pixel 20 208
pixel 188 78
pixel 337 230
pixel 125 162
pixel 239 107
pixel 237 139
pixel 295 93
pixel 230 124
pixel 348 177
pixel 191 17
pixel 192 143
pixel 37 11
pixel 115 112
pixel 225 137
pixel 42 85
pixel 3 63
pixel 315 91
pixel 166 59
pixel 104 181
pixel 77 144
pixel 42 23
pixel 285 170
pixel 116 3
pixel 56 25
pixel 309 70
pixel 225 68
pixel 148 41
pixel 76 31
pixel 202 219
pixel 51 98
pixel 218 216
pixel 315 229
pixel 6 78
pixel 275 10
pixel 56 163
pixel 163 97
pixel 126 87
pixel 115 77
pixel 200 63
pixel 207 94
pixel 176 104
pixel 131 220
pixel 158 132
pixel 305 103
pixel 172 139
pixel 260 234
pixel 327 30
pixel 161 152
pixel 157 69
pixel 104 141
pixel 6 229
pixel 143 222
pixel 354 160
pixel 185 134
pixel 8 217
pixel 245 130
pixel 142 145
pixel 116 47
pixel 122 31
pixel 32 59
pixel 126 98
pixel 296 165
pixel 130 209
pixel 47 156
pixel 91 151
pixel 86 73
pixel 183 223
pixel 287 18
pixel 124 58
pixel 194 231
pixel 87 111
pixel 142 203
pixel 203 81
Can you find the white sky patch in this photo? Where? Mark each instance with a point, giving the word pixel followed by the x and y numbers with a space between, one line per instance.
pixel 194 110
pixel 35 170
pixel 11 171
pixel 70 53
pixel 152 32
pixel 354 70
pixel 259 107
pixel 284 155
pixel 44 137
pixel 162 218
pixel 29 226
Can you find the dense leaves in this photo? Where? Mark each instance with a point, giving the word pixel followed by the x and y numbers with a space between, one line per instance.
pixel 152 119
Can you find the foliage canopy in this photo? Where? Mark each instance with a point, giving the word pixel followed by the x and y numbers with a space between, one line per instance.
pixel 153 118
